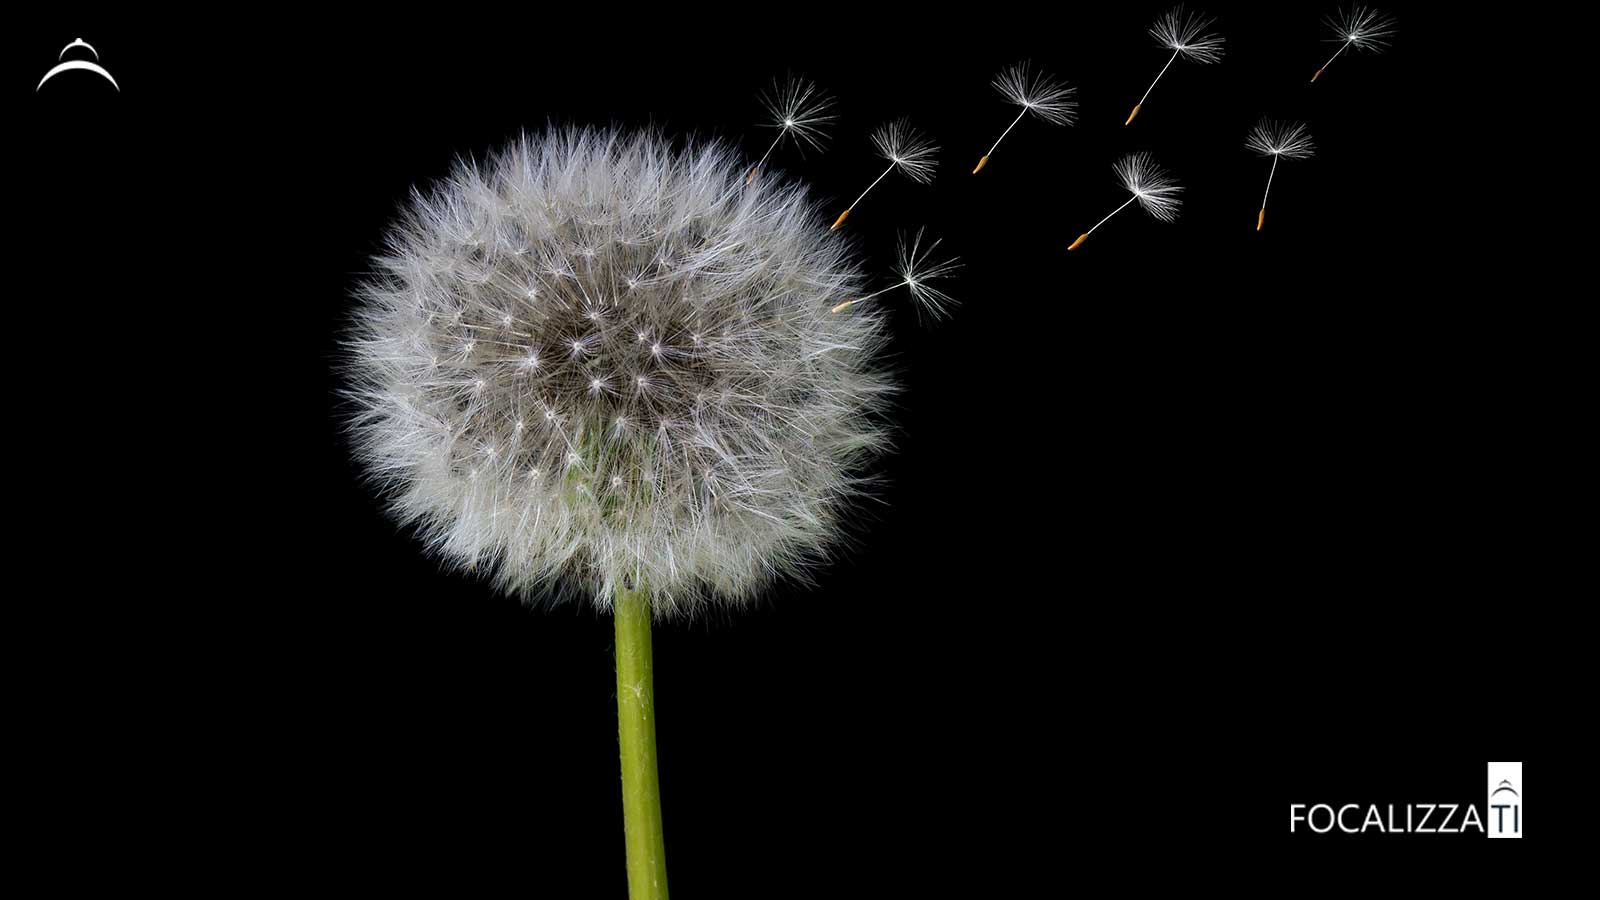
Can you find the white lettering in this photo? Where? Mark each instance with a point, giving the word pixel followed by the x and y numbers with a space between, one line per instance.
pixel 1343 827
pixel 1428 811
pixel 1445 828
pixel 1373 818
pixel 1311 819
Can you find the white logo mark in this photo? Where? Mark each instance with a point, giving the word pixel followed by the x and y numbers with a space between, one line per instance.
pixel 83 64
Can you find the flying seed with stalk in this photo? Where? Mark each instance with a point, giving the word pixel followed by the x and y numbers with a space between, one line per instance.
pixel 1035 93
pixel 798 109
pixel 1279 140
pixel 1156 191
pixel 1361 28
pixel 1185 35
pixel 906 149
pixel 917 269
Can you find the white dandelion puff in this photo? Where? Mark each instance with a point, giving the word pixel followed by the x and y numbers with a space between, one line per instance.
pixel 1036 93
pixel 1289 140
pixel 1184 33
pixel 906 149
pixel 1358 27
pixel 918 270
pixel 800 111
pixel 1150 184
pixel 1156 191
pixel 568 454
pixel 1279 140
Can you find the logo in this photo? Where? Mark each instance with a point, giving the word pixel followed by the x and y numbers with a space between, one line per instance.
pixel 84 65
pixel 1499 817
pixel 1505 800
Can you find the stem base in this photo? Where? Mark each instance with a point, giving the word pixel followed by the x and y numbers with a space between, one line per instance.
pixel 636 734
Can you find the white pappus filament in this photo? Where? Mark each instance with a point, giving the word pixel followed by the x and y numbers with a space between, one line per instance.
pixel 1036 93
pixel 1155 190
pixel 1358 27
pixel 917 270
pixel 799 111
pixel 906 149
pixel 1185 35
pixel 1279 140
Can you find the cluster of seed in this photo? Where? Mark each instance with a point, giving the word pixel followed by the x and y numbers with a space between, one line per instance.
pixel 599 360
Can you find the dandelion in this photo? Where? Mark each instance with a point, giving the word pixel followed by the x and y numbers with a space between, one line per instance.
pixel 1279 140
pixel 798 110
pixel 1156 191
pixel 1035 93
pixel 1185 35
pixel 907 150
pixel 1361 28
pixel 917 270
pixel 649 449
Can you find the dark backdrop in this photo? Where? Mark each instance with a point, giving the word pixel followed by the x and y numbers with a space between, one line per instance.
pixel 1184 526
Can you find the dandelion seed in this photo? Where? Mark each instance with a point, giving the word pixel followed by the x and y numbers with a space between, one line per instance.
pixel 1279 140
pixel 917 270
pixel 1156 191
pixel 1035 93
pixel 1361 28
pixel 1185 35
pixel 799 110
pixel 906 149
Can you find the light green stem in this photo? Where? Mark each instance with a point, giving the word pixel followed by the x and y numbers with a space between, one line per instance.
pixel 636 731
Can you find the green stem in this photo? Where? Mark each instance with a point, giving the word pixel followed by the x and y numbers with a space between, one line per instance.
pixel 636 731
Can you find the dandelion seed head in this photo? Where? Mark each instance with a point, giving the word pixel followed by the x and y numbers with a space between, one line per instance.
pixel 918 268
pixel 908 149
pixel 1156 191
pixel 702 437
pixel 1044 97
pixel 1287 140
pixel 1185 34
pixel 1362 28
pixel 800 111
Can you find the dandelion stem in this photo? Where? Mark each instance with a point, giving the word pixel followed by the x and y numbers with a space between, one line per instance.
pixel 636 732
pixel 1270 173
pixel 773 146
pixel 1331 59
pixel 884 291
pixel 1113 212
pixel 764 156
pixel 849 303
pixel 1158 78
pixel 874 184
pixel 1008 130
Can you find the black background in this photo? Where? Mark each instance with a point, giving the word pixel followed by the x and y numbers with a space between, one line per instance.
pixel 1184 526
